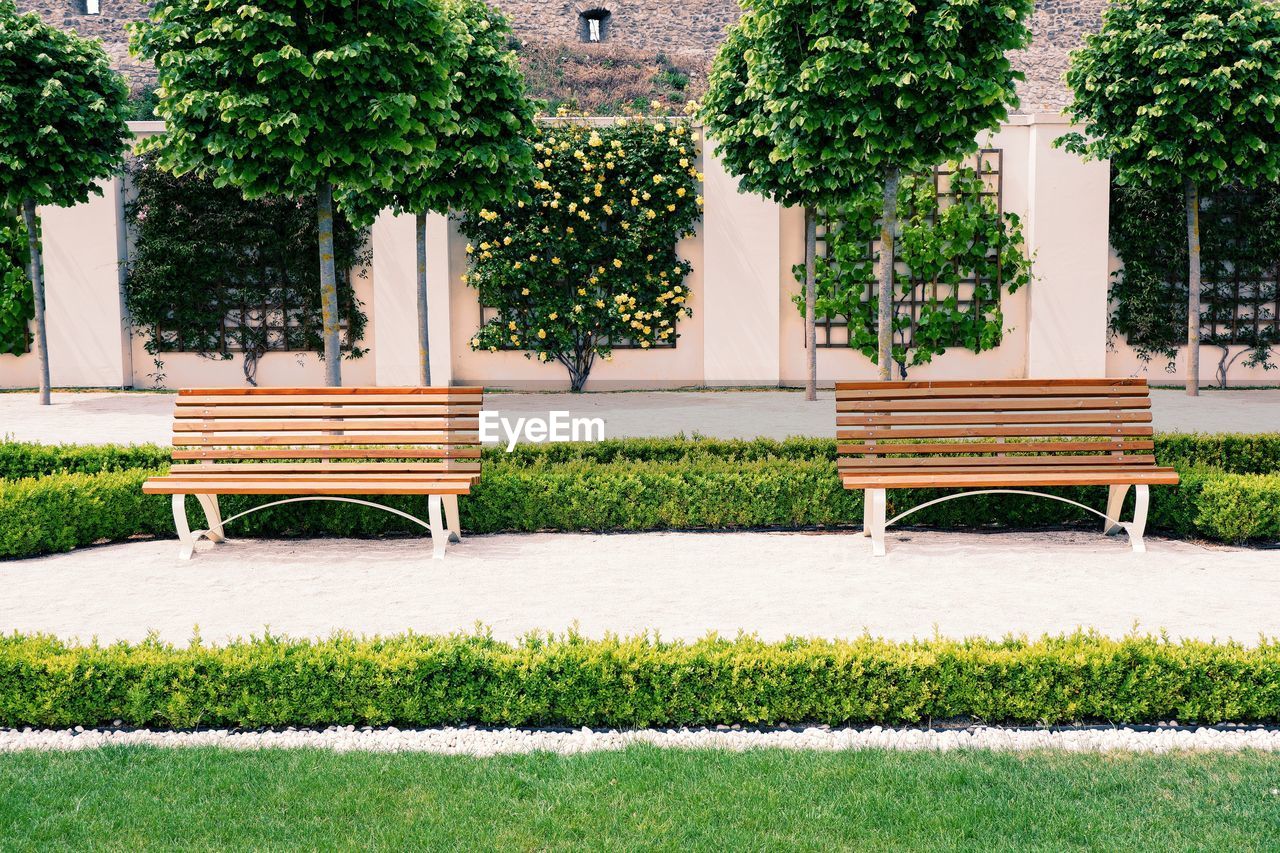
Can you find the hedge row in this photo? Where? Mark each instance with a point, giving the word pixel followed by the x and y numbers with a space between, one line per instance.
pixel 414 680
pixel 1234 454
pixel 63 511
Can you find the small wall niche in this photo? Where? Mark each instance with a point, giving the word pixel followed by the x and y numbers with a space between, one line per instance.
pixel 594 25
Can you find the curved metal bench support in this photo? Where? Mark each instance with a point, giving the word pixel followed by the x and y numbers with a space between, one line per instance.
pixel 874 524
pixel 440 534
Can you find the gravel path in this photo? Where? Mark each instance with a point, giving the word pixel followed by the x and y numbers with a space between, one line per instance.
pixel 679 584
pixel 136 418
pixel 486 742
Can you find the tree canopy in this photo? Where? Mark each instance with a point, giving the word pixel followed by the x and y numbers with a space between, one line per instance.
pixel 1177 89
pixel 62 113
pixel 282 95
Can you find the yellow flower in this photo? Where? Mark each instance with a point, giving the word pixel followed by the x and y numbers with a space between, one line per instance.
pixel 593 280
pixel 542 334
pixel 684 162
pixel 463 278
pixel 699 201
pixel 475 342
pixel 635 202
pixel 660 127
pixel 524 291
pixel 681 191
pixel 651 214
pixel 626 226
pixel 577 309
pixel 671 208
pixel 516 266
pixel 617 264
pixel 608 211
pixel 542 356
pixel 644 345
pixel 655 105
pixel 582 291
pixel 552 315
pixel 515 339
pixel 568 229
pixel 506 241
pixel 533 257
pixel 657 179
pixel 471 250
pixel 599 303
pixel 512 325
pixel 595 141
pixel 555 204
pixel 555 260
pixel 646 196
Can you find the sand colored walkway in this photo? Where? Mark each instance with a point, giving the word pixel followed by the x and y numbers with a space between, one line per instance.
pixel 681 584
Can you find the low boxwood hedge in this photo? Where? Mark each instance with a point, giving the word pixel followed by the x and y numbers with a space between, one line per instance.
pixel 615 486
pixel 1232 453
pixel 414 680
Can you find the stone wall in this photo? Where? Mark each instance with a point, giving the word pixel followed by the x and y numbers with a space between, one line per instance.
pixel 691 27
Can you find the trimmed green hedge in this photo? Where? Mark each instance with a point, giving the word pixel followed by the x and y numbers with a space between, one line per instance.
pixel 1233 453
pixel 425 681
pixel 641 485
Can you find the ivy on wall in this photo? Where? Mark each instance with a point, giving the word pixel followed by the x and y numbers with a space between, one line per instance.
pixel 214 274
pixel 956 254
pixel 1240 261
pixel 17 303
pixel 586 261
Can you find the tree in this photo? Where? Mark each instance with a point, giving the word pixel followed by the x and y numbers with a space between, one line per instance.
pixel 858 92
pixel 484 158
pixel 293 97
pixel 62 130
pixel 589 261
pixel 1185 92
pixel 735 115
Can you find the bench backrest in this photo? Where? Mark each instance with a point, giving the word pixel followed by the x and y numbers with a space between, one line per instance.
pixel 977 424
pixel 330 430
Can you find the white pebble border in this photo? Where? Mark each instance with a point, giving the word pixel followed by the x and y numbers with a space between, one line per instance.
pixel 486 742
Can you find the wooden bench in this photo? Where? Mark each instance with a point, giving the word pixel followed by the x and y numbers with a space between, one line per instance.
pixel 309 444
pixel 998 436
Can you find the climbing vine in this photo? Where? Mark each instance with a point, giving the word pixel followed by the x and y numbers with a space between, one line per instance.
pixel 1240 261
pixel 17 304
pixel 955 255
pixel 214 274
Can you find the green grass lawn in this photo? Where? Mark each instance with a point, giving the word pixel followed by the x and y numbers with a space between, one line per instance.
pixel 130 798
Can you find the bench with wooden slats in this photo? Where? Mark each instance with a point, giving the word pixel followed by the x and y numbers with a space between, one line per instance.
pixel 998 436
pixel 323 444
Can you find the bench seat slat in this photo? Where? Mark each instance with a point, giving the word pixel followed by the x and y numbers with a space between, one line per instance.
pixel 234 410
pixel 993 405
pixel 303 486
pixel 1148 475
pixel 993 431
pixel 997 418
pixel 1002 391
pixel 286 440
pixel 340 391
pixel 882 447
pixel 988 462
pixel 451 452
pixel 230 468
pixel 873 384
pixel 426 424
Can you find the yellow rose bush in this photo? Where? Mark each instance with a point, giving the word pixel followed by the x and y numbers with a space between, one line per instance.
pixel 586 261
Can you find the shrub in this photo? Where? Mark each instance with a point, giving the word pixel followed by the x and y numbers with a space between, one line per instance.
pixel 553 490
pixel 587 261
pixel 546 680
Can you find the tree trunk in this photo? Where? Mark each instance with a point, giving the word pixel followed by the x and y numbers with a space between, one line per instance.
pixel 424 337
pixel 888 236
pixel 811 302
pixel 328 286
pixel 37 290
pixel 1193 287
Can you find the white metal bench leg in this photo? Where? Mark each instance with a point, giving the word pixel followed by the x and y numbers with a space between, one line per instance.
pixel 1112 525
pixel 876 500
pixel 439 535
pixel 451 518
pixel 185 537
pixel 866 512
pixel 1142 500
pixel 213 515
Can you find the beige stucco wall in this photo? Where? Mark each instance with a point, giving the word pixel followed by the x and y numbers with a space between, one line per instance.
pixel 744 329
